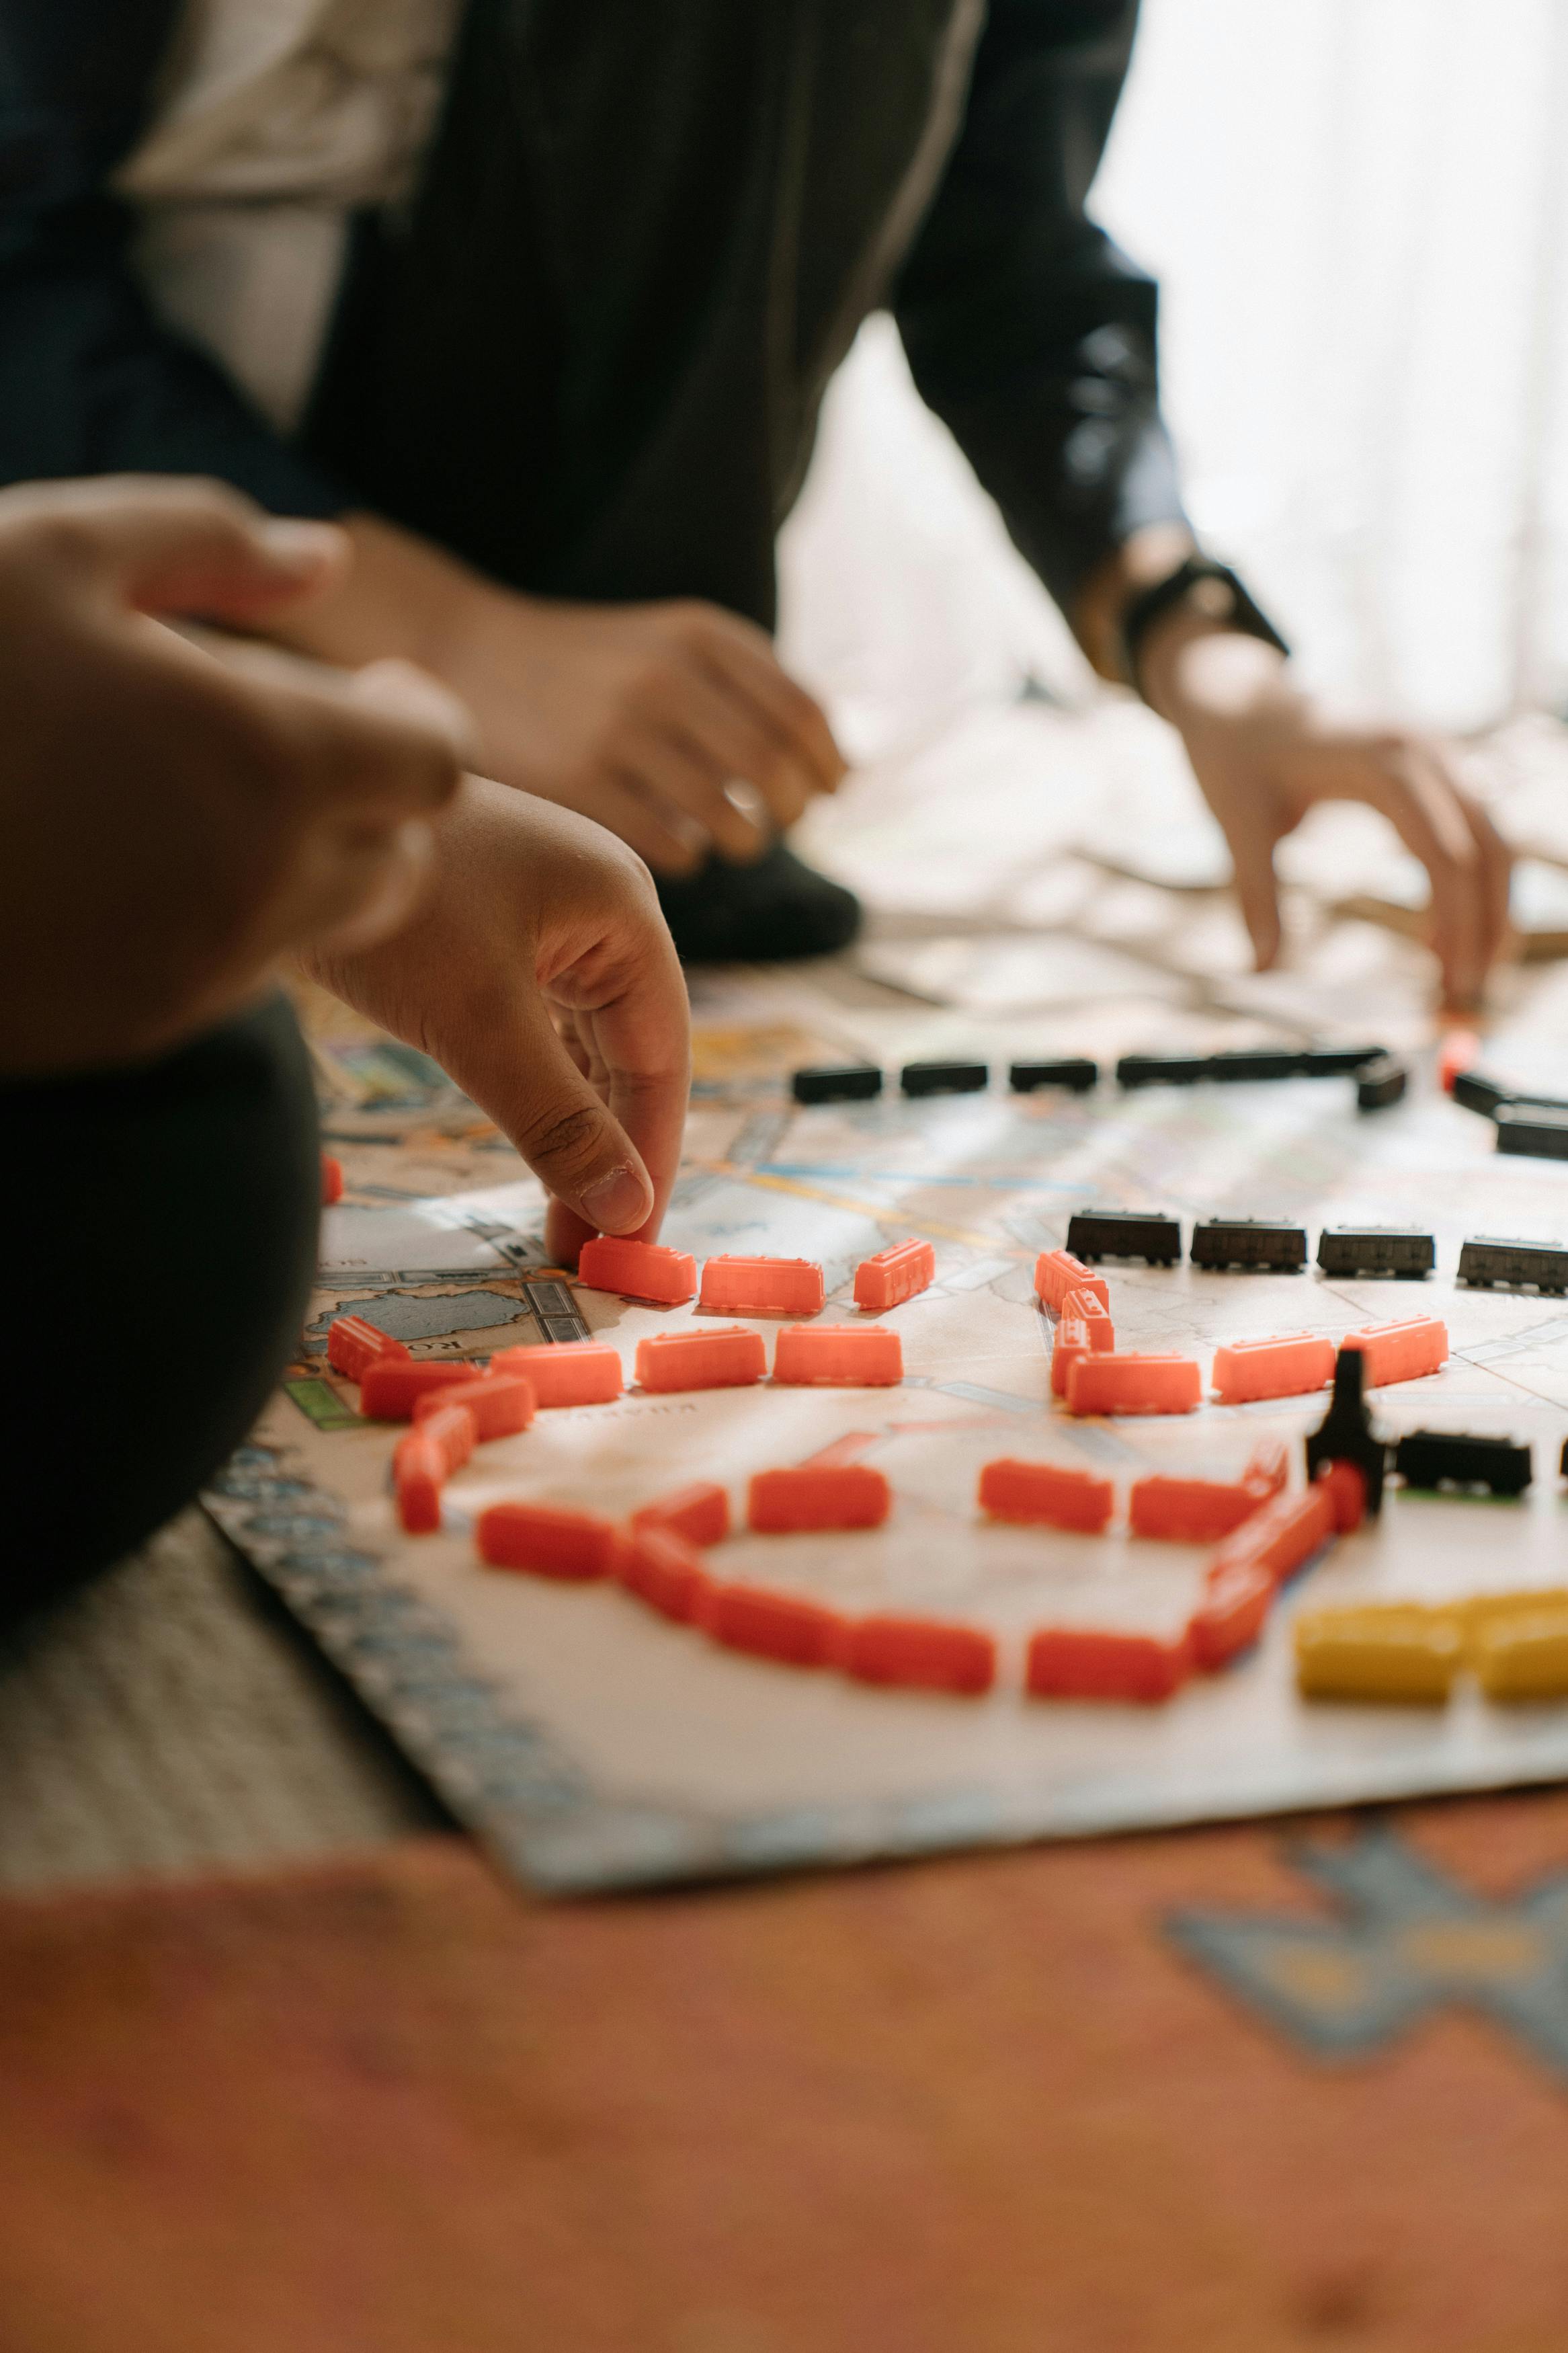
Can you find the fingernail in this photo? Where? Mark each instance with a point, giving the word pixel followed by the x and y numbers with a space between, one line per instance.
pixel 618 1200
pixel 300 546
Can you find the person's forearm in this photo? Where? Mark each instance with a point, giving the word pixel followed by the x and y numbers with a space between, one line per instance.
pixel 400 596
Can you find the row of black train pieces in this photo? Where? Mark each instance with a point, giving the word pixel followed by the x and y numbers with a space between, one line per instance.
pixel 1261 1246
pixel 1431 1459
pixel 1380 1078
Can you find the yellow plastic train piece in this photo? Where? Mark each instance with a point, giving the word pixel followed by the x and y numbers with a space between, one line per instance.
pixel 1515 1643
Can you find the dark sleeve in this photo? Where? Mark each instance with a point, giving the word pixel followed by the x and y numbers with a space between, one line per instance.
pixel 90 381
pixel 1028 331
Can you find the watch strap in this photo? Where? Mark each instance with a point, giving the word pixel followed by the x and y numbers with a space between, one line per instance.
pixel 1209 588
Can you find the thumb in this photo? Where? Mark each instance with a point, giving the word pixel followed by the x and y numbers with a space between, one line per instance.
pixel 187 546
pixel 1258 892
pixel 581 1154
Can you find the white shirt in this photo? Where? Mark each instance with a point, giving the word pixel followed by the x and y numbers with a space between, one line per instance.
pixel 276 120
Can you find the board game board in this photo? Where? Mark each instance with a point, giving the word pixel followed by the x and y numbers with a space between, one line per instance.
pixel 593 1745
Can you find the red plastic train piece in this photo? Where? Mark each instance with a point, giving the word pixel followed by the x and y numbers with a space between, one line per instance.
pixel 663 1570
pixel 779 1626
pixel 1091 1663
pixel 353 1344
pixel 637 1270
pixel 698 1515
pixel 1282 1535
pixel 391 1386
pixel 1046 1494
pixel 1400 1352
pixel 1288 1365
pixel 1083 1328
pixel 1057 1271
pixel 501 1405
pixel 1237 1595
pixel 762 1286
pixel 331 1180
pixel 894 1275
pixel 922 1653
pixel 729 1358
pixel 817 1495
pixel 1192 1511
pixel 448 1425
pixel 839 1356
pixel 1134 1384
pixel 576 1547
pixel 566 1372
pixel 1344 1484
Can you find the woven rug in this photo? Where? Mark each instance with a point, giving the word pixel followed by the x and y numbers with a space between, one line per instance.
pixel 1031 2103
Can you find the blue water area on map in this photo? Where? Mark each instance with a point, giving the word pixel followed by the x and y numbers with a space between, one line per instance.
pixel 404 1318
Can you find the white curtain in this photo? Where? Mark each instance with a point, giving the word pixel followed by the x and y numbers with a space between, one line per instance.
pixel 1356 210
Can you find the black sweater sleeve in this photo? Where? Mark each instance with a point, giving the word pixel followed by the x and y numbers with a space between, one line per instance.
pixel 91 381
pixel 1028 331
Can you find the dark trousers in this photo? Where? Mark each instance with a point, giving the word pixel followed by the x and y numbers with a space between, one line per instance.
pixel 154 1269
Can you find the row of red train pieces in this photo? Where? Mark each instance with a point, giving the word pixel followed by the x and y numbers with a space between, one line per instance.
pixel 1268 1535
pixel 1090 1377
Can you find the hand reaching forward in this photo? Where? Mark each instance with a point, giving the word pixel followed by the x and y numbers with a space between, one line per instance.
pixel 1264 755
pixel 673 723
pixel 539 975
pixel 174 819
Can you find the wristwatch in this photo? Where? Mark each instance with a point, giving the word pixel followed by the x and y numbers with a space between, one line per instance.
pixel 1210 588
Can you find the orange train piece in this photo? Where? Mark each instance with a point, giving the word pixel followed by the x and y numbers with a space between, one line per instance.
pixel 501 1405
pixel 391 1386
pixel 1400 1352
pixel 839 1356
pixel 662 1569
pixel 1282 1535
pixel 1134 1384
pixel 637 1270
pixel 1237 1598
pixel 331 1180
pixel 1344 1484
pixel 549 1540
pixel 762 1286
pixel 698 1515
pixel 566 1372
pixel 1046 1493
pixel 894 1275
pixel 1287 1364
pixel 1083 1328
pixel 353 1344
pixel 817 1495
pixel 1057 1271
pixel 729 1358
pixel 922 1653
pixel 1091 1663
pixel 418 1475
pixel 1192 1511
pixel 779 1626
pixel 448 1425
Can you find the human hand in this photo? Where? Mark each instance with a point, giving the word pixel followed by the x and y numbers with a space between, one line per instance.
pixel 539 973
pixel 175 820
pixel 640 716
pixel 1264 754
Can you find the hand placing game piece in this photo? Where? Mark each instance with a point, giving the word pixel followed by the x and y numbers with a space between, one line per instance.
pixel 539 973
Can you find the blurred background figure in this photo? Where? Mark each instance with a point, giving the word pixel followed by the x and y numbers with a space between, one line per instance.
pixel 543 302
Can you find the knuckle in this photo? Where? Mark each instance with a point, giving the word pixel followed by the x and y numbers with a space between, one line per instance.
pixel 558 1137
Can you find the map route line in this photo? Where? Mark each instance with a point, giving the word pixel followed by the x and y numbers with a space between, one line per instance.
pixel 858 1209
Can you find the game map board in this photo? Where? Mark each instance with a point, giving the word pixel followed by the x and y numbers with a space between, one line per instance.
pixel 591 1744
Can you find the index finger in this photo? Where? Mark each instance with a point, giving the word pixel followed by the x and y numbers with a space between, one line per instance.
pixel 634 1050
